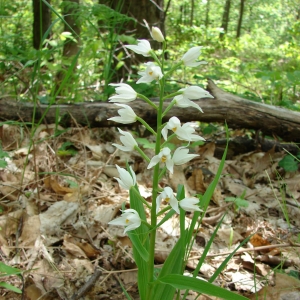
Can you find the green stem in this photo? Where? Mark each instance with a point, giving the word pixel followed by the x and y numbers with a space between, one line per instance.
pixel 168 108
pixel 147 100
pixel 162 173
pixel 146 125
pixel 152 53
pixel 174 68
pixel 142 153
pixel 147 224
pixel 155 190
pixel 137 194
pixel 164 210
pixel 172 95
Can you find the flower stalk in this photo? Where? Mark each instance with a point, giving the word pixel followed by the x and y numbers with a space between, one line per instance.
pixel 164 159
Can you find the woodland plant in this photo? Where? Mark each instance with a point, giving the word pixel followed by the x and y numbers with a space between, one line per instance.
pixel 163 283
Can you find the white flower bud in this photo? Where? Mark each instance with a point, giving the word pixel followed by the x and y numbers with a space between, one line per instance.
pixel 157 34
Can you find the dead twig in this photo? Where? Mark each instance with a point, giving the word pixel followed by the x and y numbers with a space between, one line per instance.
pixel 88 285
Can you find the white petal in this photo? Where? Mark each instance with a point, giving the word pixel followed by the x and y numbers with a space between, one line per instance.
pixel 158 202
pixel 154 161
pixel 127 180
pixel 190 204
pixel 181 156
pixel 174 204
pixel 157 34
pixel 121 147
pixel 143 47
pixel 170 165
pixel 164 133
pixel 196 92
pixel 191 55
pixel 184 102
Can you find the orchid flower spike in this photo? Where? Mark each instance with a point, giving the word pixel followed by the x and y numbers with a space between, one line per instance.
pixel 125 93
pixel 189 58
pixel 127 179
pixel 151 73
pixel 129 218
pixel 143 47
pixel 128 141
pixel 126 115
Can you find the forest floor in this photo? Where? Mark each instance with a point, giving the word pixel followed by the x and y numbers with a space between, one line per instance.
pixel 58 193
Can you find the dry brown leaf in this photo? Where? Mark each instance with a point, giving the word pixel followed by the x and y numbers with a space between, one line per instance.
pixel 30 231
pixel 87 248
pixel 56 187
pixel 32 292
pixel 72 248
pixel 286 287
pixel 226 233
pixel 208 150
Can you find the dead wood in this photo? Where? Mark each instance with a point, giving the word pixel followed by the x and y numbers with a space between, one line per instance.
pixel 236 111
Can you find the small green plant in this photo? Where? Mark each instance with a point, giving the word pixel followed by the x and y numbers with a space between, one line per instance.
pixel 67 149
pixel 3 154
pixel 238 201
pixel 290 163
pixel 5 271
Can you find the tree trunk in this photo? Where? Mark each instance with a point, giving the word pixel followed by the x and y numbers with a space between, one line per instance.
pixel 225 18
pixel 71 47
pixel 70 12
pixel 240 21
pixel 140 10
pixel 225 107
pixel 41 21
pixel 192 12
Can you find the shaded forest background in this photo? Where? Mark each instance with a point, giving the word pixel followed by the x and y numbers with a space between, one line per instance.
pixel 69 51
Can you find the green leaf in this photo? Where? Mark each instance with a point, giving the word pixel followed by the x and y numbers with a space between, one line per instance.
pixel 289 163
pixel 146 144
pixel 172 265
pixel 6 270
pixel 3 154
pixel 3 163
pixel 138 245
pixel 205 199
pixel 140 240
pixel 10 287
pixel 189 283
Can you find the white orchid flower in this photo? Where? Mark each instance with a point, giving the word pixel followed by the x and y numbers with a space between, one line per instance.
pixel 127 179
pixel 181 156
pixel 163 156
pixel 192 92
pixel 151 73
pixel 143 47
pixel 125 93
pixel 189 58
pixel 128 141
pixel 157 34
pixel 167 195
pixel 190 204
pixel 184 132
pixel 127 115
pixel 129 218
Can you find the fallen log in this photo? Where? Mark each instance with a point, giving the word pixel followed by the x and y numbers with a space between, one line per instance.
pixel 236 111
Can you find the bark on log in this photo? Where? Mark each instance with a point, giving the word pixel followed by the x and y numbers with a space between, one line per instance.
pixel 236 111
